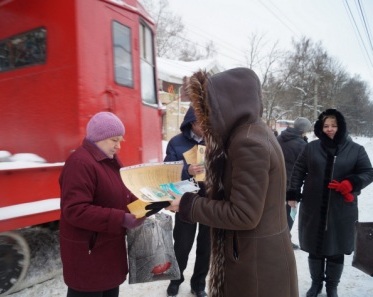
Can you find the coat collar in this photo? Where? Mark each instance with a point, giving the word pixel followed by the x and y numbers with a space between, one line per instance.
pixel 97 154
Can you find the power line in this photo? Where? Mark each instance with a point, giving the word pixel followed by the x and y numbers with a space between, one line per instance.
pixel 223 48
pixel 365 24
pixel 277 17
pixel 219 51
pixel 356 29
pixel 228 51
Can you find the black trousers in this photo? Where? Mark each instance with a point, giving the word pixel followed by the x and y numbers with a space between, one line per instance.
pixel 108 293
pixel 338 259
pixel 184 235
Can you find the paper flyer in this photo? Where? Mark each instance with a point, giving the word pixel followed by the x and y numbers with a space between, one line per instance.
pixel 150 175
pixel 196 155
pixel 145 181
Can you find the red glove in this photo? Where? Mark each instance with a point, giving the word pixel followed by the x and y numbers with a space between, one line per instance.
pixel 344 187
pixel 348 197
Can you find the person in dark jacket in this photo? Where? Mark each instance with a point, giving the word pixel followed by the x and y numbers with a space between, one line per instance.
pixel 184 233
pixel 94 214
pixel 251 252
pixel 332 171
pixel 292 142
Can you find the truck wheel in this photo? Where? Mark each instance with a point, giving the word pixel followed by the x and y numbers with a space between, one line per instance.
pixel 14 261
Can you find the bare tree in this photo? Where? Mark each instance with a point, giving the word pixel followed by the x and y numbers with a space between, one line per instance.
pixel 266 59
pixel 353 101
pixel 302 82
pixel 317 81
pixel 171 40
pixel 189 51
pixel 262 56
pixel 169 26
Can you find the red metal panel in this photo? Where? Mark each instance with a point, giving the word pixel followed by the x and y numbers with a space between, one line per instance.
pixel 31 220
pixel 28 185
pixel 143 139
pixel 45 108
pixel 39 103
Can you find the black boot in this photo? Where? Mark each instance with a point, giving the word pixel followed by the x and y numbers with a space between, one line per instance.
pixel 316 267
pixel 333 274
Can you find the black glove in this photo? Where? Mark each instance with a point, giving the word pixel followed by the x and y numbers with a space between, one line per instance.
pixel 293 196
pixel 155 207
pixel 202 189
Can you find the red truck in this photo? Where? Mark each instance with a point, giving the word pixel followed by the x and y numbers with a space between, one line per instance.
pixel 60 63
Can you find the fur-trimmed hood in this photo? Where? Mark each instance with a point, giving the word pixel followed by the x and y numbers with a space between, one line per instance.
pixel 236 92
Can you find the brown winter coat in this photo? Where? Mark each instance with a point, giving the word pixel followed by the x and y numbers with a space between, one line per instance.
pixel 245 179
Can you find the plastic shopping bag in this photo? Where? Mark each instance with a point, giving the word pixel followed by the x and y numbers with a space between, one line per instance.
pixel 151 252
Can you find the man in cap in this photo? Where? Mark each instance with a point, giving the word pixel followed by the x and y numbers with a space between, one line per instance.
pixel 292 142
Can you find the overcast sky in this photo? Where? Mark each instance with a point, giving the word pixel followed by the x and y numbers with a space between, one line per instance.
pixel 229 24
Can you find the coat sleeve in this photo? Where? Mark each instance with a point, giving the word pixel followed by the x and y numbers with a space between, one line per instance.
pixel 362 174
pixel 297 177
pixel 172 154
pixel 243 209
pixel 77 200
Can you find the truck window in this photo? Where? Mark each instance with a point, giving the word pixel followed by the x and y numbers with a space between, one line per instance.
pixel 24 49
pixel 148 90
pixel 122 55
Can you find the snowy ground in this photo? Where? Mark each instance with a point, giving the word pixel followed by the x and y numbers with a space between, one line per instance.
pixel 354 283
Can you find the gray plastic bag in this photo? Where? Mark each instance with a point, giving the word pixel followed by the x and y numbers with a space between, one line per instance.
pixel 151 252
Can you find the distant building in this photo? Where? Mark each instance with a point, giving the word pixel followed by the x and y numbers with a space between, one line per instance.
pixel 172 78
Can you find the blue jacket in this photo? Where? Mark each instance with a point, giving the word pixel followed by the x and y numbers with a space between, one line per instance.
pixel 182 142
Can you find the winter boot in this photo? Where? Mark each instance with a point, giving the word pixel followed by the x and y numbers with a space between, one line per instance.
pixel 333 274
pixel 316 267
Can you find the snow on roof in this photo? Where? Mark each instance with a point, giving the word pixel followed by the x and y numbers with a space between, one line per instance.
pixel 23 160
pixel 24 165
pixel 174 71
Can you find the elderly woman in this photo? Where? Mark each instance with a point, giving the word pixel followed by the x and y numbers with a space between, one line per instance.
pixel 94 214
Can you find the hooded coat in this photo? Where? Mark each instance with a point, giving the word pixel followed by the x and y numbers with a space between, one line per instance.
pixel 326 221
pixel 245 181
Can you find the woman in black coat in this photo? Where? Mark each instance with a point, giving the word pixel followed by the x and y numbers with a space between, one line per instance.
pixel 332 170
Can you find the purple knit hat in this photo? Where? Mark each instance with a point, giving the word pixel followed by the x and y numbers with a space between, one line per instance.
pixel 104 125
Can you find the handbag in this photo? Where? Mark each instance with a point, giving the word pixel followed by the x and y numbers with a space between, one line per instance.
pixel 151 252
pixel 363 255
